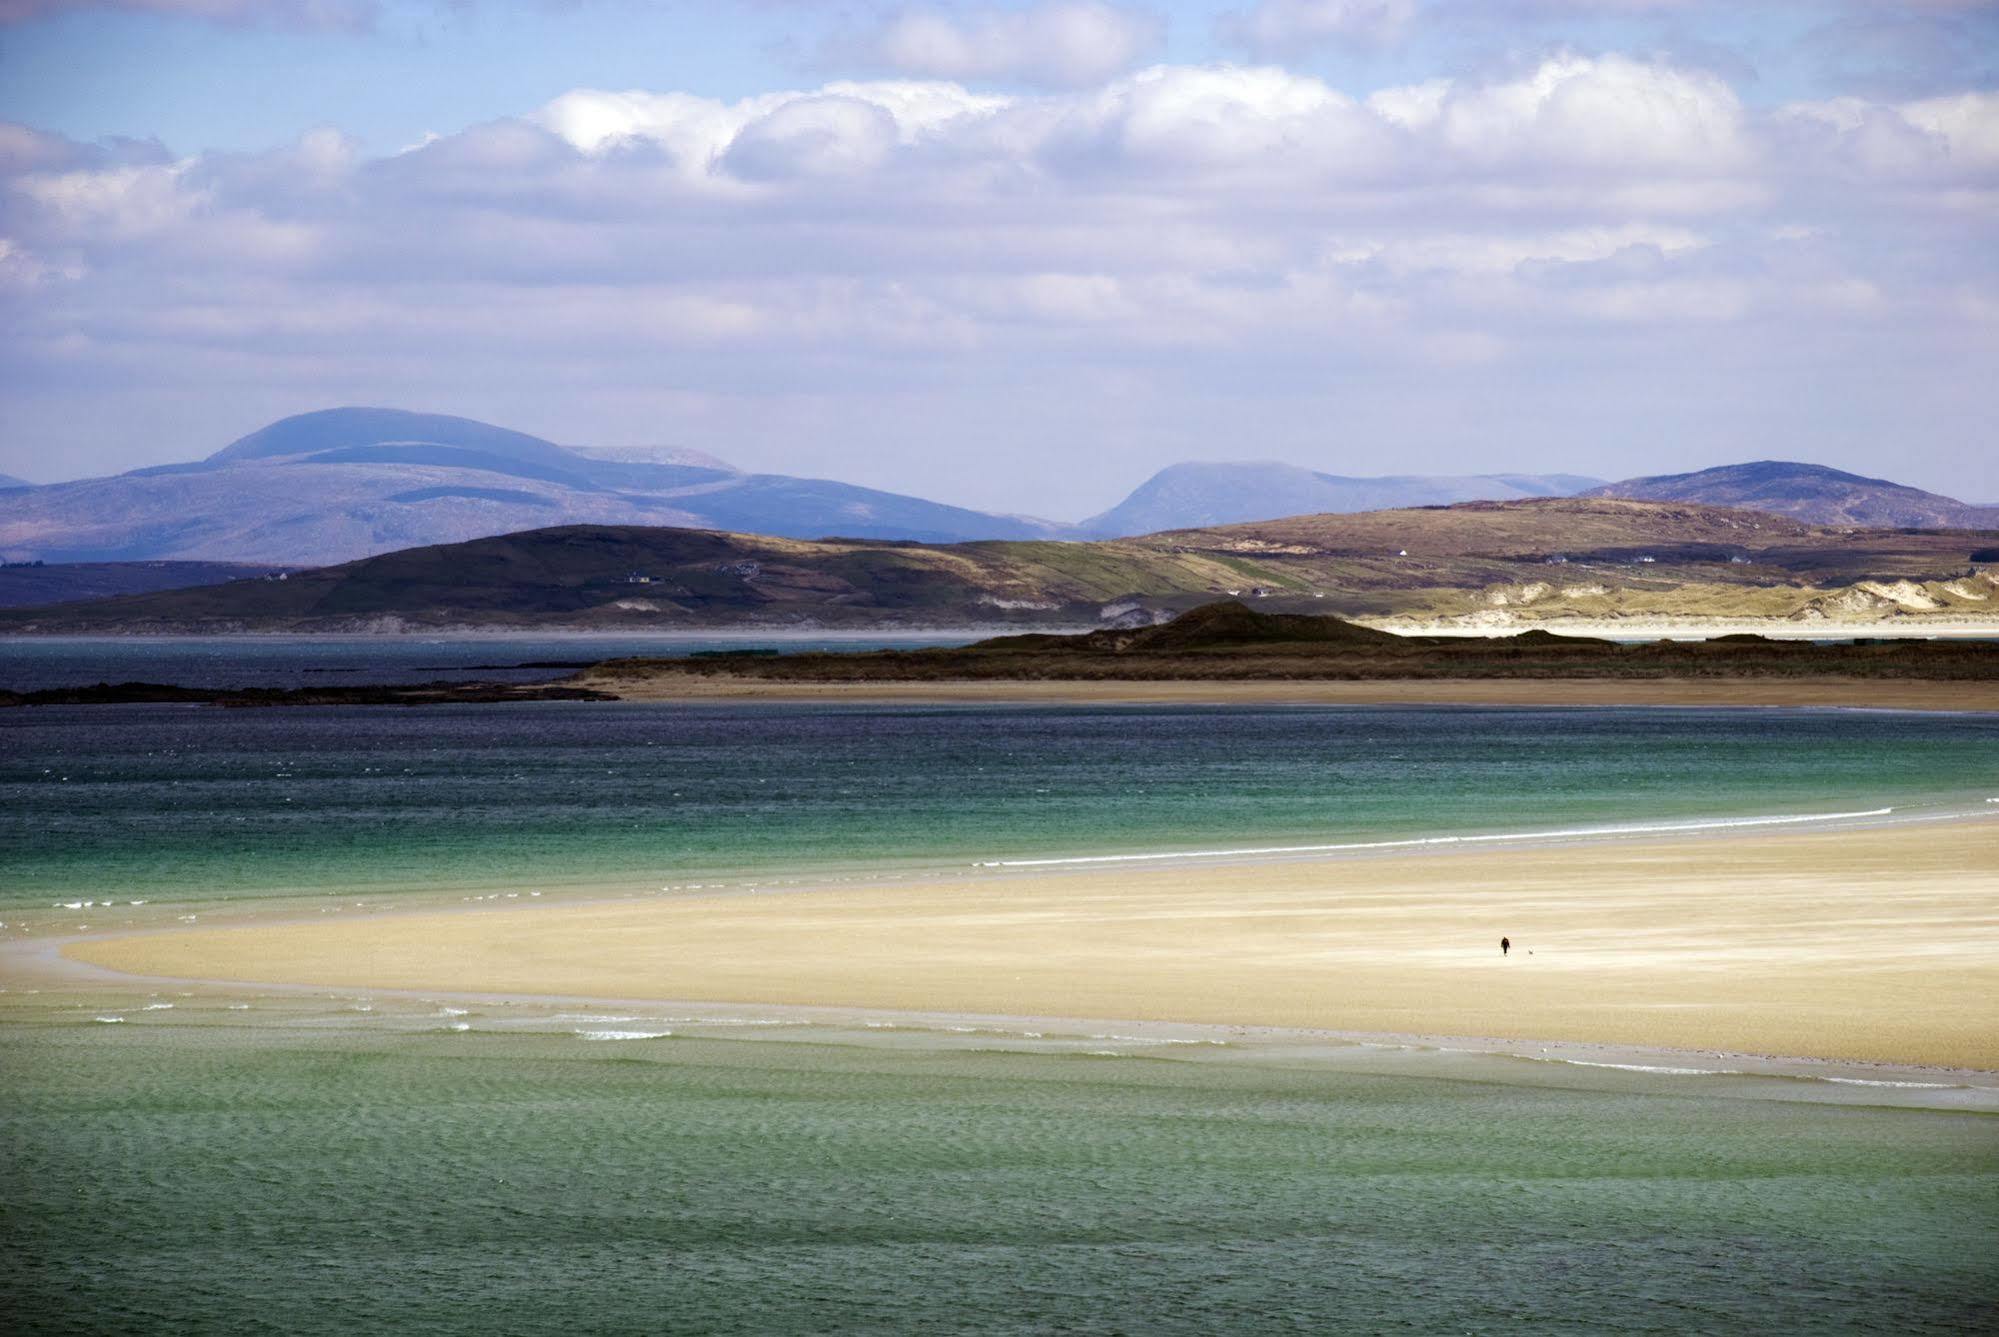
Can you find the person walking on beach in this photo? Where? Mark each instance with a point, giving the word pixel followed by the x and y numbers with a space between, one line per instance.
pixel 1505 946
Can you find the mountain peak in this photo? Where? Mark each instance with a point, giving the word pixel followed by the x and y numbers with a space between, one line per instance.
pixel 339 484
pixel 1199 493
pixel 347 428
pixel 1813 492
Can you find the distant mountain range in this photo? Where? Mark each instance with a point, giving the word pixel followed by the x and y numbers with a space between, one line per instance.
pixel 1479 565
pixel 8 480
pixel 332 486
pixel 1189 496
pixel 1809 492
pixel 344 483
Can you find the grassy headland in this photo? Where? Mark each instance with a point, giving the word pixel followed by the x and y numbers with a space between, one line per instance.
pixel 1227 643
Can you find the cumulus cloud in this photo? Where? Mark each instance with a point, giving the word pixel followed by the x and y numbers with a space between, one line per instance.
pixel 1055 43
pixel 1954 137
pixel 1609 111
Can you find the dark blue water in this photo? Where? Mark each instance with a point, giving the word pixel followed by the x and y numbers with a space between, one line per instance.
pixel 29 663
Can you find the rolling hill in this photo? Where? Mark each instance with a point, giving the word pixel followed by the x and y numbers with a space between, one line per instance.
pixel 1188 496
pixel 1809 492
pixel 1477 566
pixel 345 483
pixel 27 585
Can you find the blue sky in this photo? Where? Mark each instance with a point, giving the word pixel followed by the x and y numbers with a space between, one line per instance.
pixel 407 68
pixel 1014 254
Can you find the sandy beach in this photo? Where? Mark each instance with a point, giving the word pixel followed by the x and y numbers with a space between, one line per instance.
pixel 1875 695
pixel 1874 944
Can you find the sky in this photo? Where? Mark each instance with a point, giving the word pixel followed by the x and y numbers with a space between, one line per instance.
pixel 1015 256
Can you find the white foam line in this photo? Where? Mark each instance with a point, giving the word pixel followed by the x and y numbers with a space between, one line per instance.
pixel 1913 1086
pixel 1664 828
pixel 1646 1067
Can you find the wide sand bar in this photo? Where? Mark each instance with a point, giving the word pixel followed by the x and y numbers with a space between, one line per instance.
pixel 1878 944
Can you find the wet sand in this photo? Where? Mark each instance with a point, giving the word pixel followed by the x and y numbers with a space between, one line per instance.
pixel 1881 695
pixel 1877 944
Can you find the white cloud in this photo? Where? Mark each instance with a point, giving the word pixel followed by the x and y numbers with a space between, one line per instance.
pixel 1500 253
pixel 1216 118
pixel 1057 43
pixel 1968 125
pixel 838 129
pixel 1608 111
pixel 114 204
pixel 1954 136
pixel 827 136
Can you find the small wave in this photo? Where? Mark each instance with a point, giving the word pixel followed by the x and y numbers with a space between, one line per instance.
pixel 588 1018
pixel 156 1007
pixel 1649 1067
pixel 624 1035
pixel 1642 829
pixel 459 1026
pixel 744 1021
pixel 451 1012
pixel 1910 1086
pixel 108 1021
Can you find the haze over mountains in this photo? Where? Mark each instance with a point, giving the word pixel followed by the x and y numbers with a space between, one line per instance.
pixel 332 486
pixel 344 483
pixel 1189 496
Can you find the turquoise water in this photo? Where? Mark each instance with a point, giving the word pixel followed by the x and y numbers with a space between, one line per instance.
pixel 196 803
pixel 202 1174
pixel 245 1162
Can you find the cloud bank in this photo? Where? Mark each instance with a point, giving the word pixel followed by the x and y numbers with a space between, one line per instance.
pixel 1605 263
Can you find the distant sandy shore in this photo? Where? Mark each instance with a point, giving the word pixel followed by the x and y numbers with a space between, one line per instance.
pixel 1882 695
pixel 1873 944
pixel 1486 626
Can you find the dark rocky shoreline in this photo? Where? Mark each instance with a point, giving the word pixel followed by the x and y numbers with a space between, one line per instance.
pixel 417 694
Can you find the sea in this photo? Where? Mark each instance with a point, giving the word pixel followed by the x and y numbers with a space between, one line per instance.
pixel 229 1159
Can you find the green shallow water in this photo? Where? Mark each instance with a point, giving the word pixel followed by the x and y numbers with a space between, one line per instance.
pixel 253 1179
pixel 200 804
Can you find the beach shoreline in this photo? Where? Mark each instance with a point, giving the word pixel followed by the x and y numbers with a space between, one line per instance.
pixel 1875 945
pixel 1915 1085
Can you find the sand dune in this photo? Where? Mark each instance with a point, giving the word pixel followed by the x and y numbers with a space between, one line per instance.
pixel 1877 944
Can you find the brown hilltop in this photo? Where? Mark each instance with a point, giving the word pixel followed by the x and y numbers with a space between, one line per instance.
pixel 1536 560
